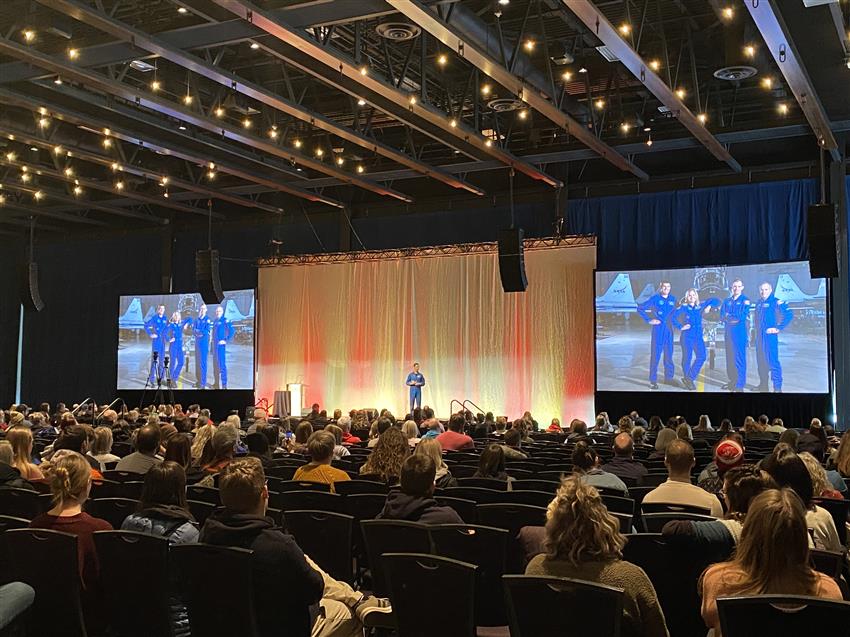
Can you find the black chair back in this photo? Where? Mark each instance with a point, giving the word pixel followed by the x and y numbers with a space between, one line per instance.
pixel 47 561
pixel 304 485
pixel 391 536
pixel 463 507
pixel 485 547
pixel 203 494
pixel 121 555
pixel 23 503
pixel 283 472
pixel 827 562
pixel 197 566
pixel 839 510
pixel 307 500
pixel 123 476
pixel 410 575
pixel 625 520
pixel 782 615
pixel 479 495
pixel 619 504
pixel 560 607
pixel 511 517
pixel 113 510
pixel 666 507
pixel 358 487
pixel 534 498
pixel 654 522
pixel 549 486
pixel 326 538
pixel 200 511
pixel 483 483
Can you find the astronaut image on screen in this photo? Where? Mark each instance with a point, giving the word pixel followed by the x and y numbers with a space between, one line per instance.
pixel 712 329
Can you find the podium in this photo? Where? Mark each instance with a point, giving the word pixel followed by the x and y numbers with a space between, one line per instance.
pixel 290 402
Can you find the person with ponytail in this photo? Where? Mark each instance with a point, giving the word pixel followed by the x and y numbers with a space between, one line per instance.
pixel 586 467
pixel 70 480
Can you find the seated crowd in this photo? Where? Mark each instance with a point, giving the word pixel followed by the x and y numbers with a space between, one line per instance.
pixel 753 501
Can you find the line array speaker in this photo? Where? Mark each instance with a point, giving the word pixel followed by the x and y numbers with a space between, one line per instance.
pixel 30 296
pixel 511 260
pixel 823 257
pixel 206 276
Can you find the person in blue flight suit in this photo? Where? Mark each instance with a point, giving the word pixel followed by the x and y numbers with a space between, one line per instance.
pixel 222 332
pixel 771 316
pixel 157 327
pixel 688 319
pixel 415 381
pixel 202 328
pixel 734 314
pixel 656 311
pixel 175 344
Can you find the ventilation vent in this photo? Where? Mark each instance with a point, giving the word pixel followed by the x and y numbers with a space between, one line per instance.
pixel 504 104
pixel 607 53
pixel 735 73
pixel 398 31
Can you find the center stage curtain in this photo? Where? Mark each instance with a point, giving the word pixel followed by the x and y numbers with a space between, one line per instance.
pixel 351 332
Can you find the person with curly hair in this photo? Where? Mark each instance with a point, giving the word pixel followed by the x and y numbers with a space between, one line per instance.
pixel 388 456
pixel 583 541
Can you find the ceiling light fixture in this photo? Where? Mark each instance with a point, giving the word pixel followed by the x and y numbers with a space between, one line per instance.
pixel 750 51
pixel 599 104
pixel 529 45
pixel 182 10
pixel 29 35
pixel 219 111
pixel 625 28
pixel 567 76
pixel 655 65
pixel 255 46
pixel 442 59
pixel 360 168
pixel 728 13
pixel 361 102
pixel 38 195
pixel 73 54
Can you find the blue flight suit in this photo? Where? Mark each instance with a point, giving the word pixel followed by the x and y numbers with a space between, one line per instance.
pixel 202 328
pixel 734 313
pixel 415 390
pixel 691 340
pixel 175 346
pixel 657 307
pixel 157 326
pixel 222 330
pixel 770 312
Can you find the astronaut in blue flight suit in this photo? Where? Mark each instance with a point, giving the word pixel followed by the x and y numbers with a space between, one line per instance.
pixel 770 316
pixel 734 313
pixel 175 344
pixel 415 381
pixel 688 319
pixel 202 328
pixel 157 327
pixel 222 332
pixel 656 311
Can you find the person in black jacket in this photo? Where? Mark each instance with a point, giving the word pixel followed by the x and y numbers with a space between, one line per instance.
pixel 414 501
pixel 289 588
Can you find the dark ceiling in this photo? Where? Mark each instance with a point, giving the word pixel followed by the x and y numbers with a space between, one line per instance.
pixel 136 113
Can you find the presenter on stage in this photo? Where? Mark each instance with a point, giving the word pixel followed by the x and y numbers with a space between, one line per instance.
pixel 771 316
pixel 202 328
pixel 222 332
pixel 656 311
pixel 157 328
pixel 415 381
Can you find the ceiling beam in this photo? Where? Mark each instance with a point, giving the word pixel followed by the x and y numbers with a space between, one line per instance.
pixel 236 83
pixel 150 142
pixel 776 35
pixel 394 102
pixel 598 24
pixel 35 212
pixel 456 41
pixel 53 195
pixel 145 99
pixel 139 171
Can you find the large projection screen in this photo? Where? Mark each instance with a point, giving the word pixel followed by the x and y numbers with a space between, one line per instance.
pixel 351 331
pixel 752 328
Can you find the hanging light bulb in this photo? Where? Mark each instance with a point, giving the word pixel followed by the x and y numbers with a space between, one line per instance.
pixel 680 93
pixel 319 152
pixel 115 166
pixel 364 70
pixel 703 118
pixel 453 123
pixel 26 177
pixel 43 122
pixel 69 172
pixel 523 114
pixel 360 168
pixel 29 35
pixel 73 54
pixel 599 104
pixel 529 45
pixel 58 150
pixel 38 195
pixel 625 127
pixel 340 161
pixel 187 99
pixel 567 76
pixel 655 65
pixel 107 143
pixel 486 89
pixel 361 102
pixel 246 123
pixel 442 59
pixel 297 143
pixel 625 28
pixel 119 185
pixel 10 156
pixel 219 111
pixel 78 191
pixel 273 132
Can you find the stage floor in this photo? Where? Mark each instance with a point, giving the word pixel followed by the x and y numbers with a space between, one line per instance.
pixel 623 365
pixel 134 362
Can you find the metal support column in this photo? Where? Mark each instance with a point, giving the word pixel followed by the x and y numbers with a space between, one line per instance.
pixel 835 176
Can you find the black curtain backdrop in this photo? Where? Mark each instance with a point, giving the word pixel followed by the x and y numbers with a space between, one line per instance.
pixel 11 273
pixel 70 347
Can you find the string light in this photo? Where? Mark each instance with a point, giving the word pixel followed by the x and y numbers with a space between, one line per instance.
pixel 319 152
pixel 728 13
pixel 119 185
pixel 58 150
pixel 78 191
pixel 703 118
pixel 273 132
pixel 442 59
pixel 187 99
pixel 750 51
pixel 297 143
pixel 246 123
pixel 360 169
pixel 680 93
pixel 2 199
pixel 567 76
pixel 42 110
pixel 485 89
pixel 107 132
pixel 488 143
pixel 219 111
pixel 43 122
pixel 625 127
pixel 767 82
pixel 38 195
pixel 73 54
pixel 107 143
pixel 625 28
pixel 69 171
pixel 361 102
pixel 29 35
pixel 25 177
pixel 364 70
pixel 453 123
pixel 599 104
pixel 655 65
pixel 156 85
pixel 340 161
pixel 211 165
pixel 411 100
pixel 10 156
pixel 523 114
pixel 782 107
pixel 115 166
pixel 529 45
pixel 211 174
pixel 164 180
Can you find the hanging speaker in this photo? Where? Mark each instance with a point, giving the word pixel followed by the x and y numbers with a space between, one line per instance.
pixel 823 257
pixel 511 261
pixel 206 275
pixel 30 296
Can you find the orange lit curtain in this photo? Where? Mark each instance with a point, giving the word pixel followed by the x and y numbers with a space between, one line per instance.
pixel 351 331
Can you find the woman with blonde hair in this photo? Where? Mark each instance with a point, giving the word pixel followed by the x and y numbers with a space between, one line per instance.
pixel 411 431
pixel 101 449
pixel 583 541
pixel 432 448
pixel 203 435
pixel 21 440
pixel 688 319
pixel 840 459
pixel 388 456
pixel 772 557
pixel 821 486
pixel 70 482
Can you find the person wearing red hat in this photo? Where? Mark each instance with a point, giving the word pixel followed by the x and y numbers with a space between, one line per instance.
pixel 728 453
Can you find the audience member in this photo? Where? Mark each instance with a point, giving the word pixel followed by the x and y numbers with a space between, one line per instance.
pixel 203 436
pixel 491 464
pixel 501 426
pixel 814 440
pixel 772 558
pixel 512 446
pixel 286 582
pixel 389 455
pixel 298 443
pixel 411 431
pixel 10 476
pixel 578 431
pixel 704 423
pixel 101 449
pixel 21 440
pixel 380 427
pixel 583 541
pixel 454 439
pixel 340 450
pixel 70 482
pixel 623 465
pixel 162 509
pixel 586 467
pixel 443 478
pixel 179 450
pixel 258 447
pixel 414 501
pixel 223 448
pixel 728 453
pixel 554 426
pixel 789 437
pixel 348 438
pixel 664 438
pixel 147 445
pixel 320 446
pixel 821 486
pixel 776 427
pixel 75 438
pixel 678 489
